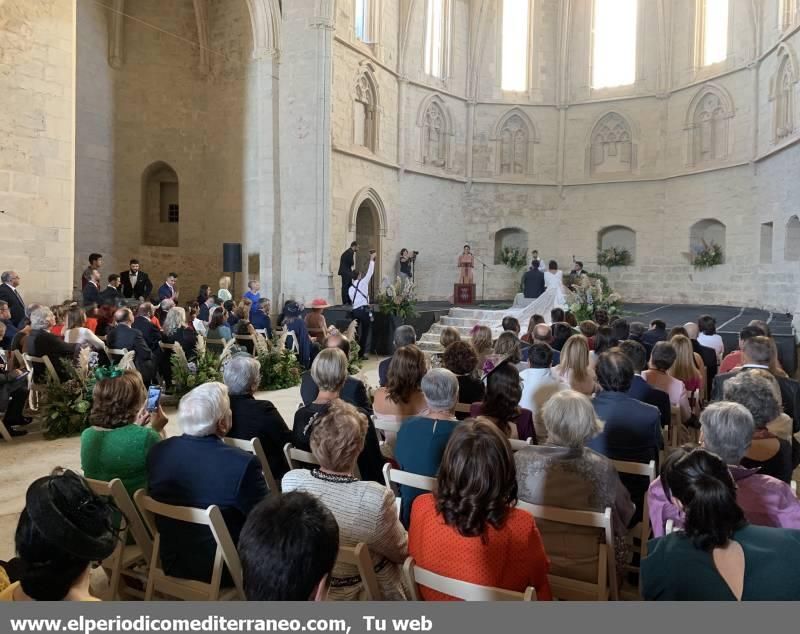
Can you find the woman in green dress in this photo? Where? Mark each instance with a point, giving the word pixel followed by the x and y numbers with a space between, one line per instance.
pixel 718 556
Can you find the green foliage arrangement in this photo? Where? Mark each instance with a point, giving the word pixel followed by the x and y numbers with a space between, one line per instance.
pixel 709 255
pixel 514 258
pixel 354 364
pixel 592 292
pixel 187 375
pixel 613 256
pixel 398 298
pixel 65 406
pixel 279 368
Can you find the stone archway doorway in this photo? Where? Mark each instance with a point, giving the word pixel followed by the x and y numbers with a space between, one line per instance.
pixel 368 236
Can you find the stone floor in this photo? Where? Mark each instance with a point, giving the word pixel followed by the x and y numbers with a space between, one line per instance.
pixel 31 457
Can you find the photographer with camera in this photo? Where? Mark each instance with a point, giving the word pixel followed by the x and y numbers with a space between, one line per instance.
pixel 407 264
pixel 362 311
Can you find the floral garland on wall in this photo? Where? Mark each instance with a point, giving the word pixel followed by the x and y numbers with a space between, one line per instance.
pixel 710 254
pixel 514 258
pixel 614 256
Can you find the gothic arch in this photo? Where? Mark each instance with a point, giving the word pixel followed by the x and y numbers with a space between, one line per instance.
pixel 160 205
pixel 368 194
pixel 514 136
pixel 611 147
pixel 708 125
pixel 783 94
pixel 366 108
pixel 265 20
pixel 436 132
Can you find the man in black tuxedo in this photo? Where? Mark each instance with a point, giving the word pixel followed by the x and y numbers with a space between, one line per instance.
pixel 347 262
pixel 123 335
pixel 135 282
pixel 353 392
pixel 640 389
pixel 533 281
pixel 91 292
pixel 10 295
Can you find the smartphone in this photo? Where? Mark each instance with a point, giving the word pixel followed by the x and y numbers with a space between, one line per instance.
pixel 153 398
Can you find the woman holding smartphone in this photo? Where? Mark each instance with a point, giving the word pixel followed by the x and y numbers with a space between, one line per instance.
pixel 126 423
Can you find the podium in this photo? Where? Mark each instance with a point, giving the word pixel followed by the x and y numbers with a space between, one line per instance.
pixel 463 294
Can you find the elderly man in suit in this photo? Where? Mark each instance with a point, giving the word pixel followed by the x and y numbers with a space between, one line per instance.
pixel 9 294
pixel 10 328
pixel 144 324
pixel 198 469
pixel 42 343
pixel 123 335
pixel 533 281
pixel 347 262
pixel 135 282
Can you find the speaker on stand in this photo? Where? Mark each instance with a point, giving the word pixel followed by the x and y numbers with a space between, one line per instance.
pixel 232 261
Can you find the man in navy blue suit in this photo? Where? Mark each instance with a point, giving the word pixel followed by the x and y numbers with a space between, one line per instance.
pixel 640 389
pixel 198 469
pixel 167 289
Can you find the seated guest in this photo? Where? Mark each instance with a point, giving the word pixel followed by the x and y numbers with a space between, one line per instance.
pixel 205 302
pixel 164 306
pixel 354 390
pixel 708 335
pixel 632 429
pixel 620 330
pixel 637 330
pixel 194 322
pixel 460 358
pixel 60 316
pixel 640 389
pixel 315 320
pixel 13 396
pixel 657 332
pixel 260 317
pixel 422 439
pixel 603 342
pixel 77 333
pixel 768 453
pixel 588 329
pixel 511 324
pixel 293 321
pixel 718 556
pixel 244 328
pixel 733 359
pixel 543 334
pixel 11 329
pixel 567 474
pixel 661 360
pixel 727 431
pixel 561 333
pixel 218 327
pixel 508 345
pixel 501 403
pixel 288 546
pixel 469 529
pixel 124 337
pixel 556 315
pixel 144 324
pixel 223 293
pixel 402 397
pixel 601 317
pixel 534 321
pixel 448 335
pixel 230 313
pixel 329 372
pixel 255 418
pixel 42 343
pixel 177 330
pixel 571 321
pixel 574 368
pixel 198 469
pixel 707 355
pixel 62 532
pixel 539 383
pixel 403 336
pixel 122 430
pixel 364 510
pixel 685 368
pixel 481 340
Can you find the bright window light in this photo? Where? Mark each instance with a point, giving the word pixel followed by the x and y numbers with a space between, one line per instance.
pixel 715 31
pixel 434 38
pixel 360 19
pixel 614 55
pixel 515 52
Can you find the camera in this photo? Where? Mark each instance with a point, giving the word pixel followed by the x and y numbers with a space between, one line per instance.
pixel 371 251
pixel 416 252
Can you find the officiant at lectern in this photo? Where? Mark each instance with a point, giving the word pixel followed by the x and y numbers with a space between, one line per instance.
pixel 466 264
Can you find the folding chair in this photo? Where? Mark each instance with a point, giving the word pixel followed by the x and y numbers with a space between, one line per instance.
pixel 247 339
pixel 642 528
pixel 225 555
pixel 463 408
pixel 35 389
pixel 605 587
pixel 516 445
pixel 389 426
pixel 360 557
pixel 125 358
pixel 415 576
pixel 254 447
pixel 215 344
pixel 127 559
pixel 406 478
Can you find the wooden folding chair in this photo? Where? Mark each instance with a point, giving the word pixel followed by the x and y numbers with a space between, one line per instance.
pixel 36 389
pixel 675 424
pixel 225 555
pixel 605 587
pixel 516 444
pixel 215 345
pixel 360 557
pixel 415 576
pixel 388 426
pixel 463 408
pixel 128 560
pixel 254 447
pixel 642 528
pixel 247 339
pixel 299 459
pixel 406 478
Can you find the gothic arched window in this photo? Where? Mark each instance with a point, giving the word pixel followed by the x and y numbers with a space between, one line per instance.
pixel 614 35
pixel 514 153
pixel 434 135
pixel 611 148
pixel 708 126
pixel 365 112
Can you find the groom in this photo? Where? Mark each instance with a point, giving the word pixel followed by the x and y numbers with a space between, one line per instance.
pixel 533 281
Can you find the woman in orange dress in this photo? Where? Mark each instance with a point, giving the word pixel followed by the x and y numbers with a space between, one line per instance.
pixel 466 264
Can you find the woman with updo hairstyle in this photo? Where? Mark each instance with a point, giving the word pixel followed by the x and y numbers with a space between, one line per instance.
pixel 365 511
pixel 469 528
pixel 461 360
pixel 122 430
pixel 63 529
pixel 717 556
pixel 501 403
pixel 402 397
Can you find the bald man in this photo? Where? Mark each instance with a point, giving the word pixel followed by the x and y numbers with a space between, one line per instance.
pixel 543 334
pixel 124 337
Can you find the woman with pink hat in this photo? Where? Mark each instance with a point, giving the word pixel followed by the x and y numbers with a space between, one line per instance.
pixel 315 320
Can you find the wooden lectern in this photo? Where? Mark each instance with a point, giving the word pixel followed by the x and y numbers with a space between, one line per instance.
pixel 463 294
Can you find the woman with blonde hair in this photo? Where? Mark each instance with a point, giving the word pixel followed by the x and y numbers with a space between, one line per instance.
pixel 77 332
pixel 482 342
pixel 176 330
pixel 365 511
pixel 684 367
pixel 223 293
pixel 574 367
pixel 449 335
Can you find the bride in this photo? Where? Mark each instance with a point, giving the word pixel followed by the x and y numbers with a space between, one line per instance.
pixel 553 278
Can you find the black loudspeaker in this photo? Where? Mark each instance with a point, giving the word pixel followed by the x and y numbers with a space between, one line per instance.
pixel 232 257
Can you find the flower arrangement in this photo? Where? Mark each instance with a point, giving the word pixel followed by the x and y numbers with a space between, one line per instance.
pixel 186 375
pixel 710 254
pixel 592 292
pixel 398 298
pixel 613 256
pixel 66 405
pixel 279 367
pixel 514 258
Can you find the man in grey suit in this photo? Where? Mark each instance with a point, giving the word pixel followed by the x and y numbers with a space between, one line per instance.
pixel 533 281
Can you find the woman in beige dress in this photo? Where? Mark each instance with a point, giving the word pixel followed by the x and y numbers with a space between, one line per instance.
pixel 466 264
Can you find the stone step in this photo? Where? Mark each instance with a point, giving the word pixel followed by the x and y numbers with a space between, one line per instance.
pixel 456 322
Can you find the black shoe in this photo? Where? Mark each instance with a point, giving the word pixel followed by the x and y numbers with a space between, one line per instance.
pixel 16 432
pixel 23 420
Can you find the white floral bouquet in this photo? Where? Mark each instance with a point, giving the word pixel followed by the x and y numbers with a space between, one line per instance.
pixel 398 297
pixel 592 292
